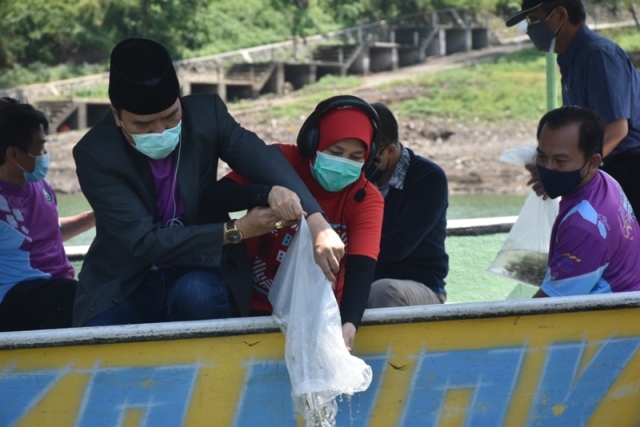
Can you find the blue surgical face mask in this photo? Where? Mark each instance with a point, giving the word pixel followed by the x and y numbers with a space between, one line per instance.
pixel 556 183
pixel 335 173
pixel 542 37
pixel 157 145
pixel 40 171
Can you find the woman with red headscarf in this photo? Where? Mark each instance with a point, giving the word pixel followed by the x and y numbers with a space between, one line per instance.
pixel 333 148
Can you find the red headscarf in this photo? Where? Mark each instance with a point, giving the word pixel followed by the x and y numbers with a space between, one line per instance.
pixel 343 123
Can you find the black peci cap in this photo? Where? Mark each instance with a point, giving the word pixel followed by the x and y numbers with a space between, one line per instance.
pixel 142 79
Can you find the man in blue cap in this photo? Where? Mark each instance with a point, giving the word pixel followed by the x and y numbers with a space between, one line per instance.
pixel 596 74
pixel 146 170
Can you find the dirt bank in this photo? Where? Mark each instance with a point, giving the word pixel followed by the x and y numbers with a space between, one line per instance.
pixel 468 152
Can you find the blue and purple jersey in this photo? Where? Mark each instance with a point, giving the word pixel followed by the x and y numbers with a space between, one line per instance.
pixel 595 242
pixel 30 239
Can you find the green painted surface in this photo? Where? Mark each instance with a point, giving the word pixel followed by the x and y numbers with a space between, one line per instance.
pixel 73 204
pixel 484 205
pixel 468 281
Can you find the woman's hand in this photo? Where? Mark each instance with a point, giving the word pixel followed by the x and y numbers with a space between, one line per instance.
pixel 349 335
pixel 328 248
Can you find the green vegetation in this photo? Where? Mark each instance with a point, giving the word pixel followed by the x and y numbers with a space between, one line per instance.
pixel 39 72
pixel 511 87
pixel 95 92
pixel 42 40
pixel 59 41
pixel 627 38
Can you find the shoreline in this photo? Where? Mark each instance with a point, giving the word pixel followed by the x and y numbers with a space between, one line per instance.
pixel 468 153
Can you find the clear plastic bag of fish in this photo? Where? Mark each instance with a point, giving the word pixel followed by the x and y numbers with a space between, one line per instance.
pixel 319 363
pixel 524 254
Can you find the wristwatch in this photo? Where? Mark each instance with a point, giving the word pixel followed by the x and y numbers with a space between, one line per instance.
pixel 231 232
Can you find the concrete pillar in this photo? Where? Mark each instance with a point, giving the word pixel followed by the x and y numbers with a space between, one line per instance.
pixel 275 82
pixel 438 44
pixel 360 64
pixel 442 42
pixel 279 71
pixel 366 61
pixel 394 52
pixel 222 86
pixel 313 73
pixel 82 115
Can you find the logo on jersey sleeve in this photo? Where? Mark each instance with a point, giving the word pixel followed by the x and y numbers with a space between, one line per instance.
pixel 47 195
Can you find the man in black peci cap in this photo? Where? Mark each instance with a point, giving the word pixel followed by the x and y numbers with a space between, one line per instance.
pixel 147 170
pixel 596 74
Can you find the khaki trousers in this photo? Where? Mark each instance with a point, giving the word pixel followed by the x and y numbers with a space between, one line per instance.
pixel 402 293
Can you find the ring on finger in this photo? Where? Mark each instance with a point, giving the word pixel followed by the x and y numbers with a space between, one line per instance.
pixel 279 225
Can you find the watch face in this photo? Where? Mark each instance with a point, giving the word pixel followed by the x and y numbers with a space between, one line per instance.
pixel 234 236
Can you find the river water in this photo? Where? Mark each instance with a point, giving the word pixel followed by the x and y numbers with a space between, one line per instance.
pixel 460 207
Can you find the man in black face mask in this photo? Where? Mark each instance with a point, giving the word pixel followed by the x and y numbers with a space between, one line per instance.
pixel 595 240
pixel 596 74
pixel 412 263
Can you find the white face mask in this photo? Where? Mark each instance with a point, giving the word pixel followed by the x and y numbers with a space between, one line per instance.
pixel 157 145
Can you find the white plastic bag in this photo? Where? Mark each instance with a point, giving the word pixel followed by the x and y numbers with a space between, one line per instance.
pixel 319 364
pixel 523 256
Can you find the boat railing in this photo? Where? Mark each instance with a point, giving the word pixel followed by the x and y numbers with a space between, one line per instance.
pixel 455 227
pixel 260 325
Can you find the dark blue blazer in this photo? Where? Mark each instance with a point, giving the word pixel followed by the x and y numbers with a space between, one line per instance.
pixel 414 227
